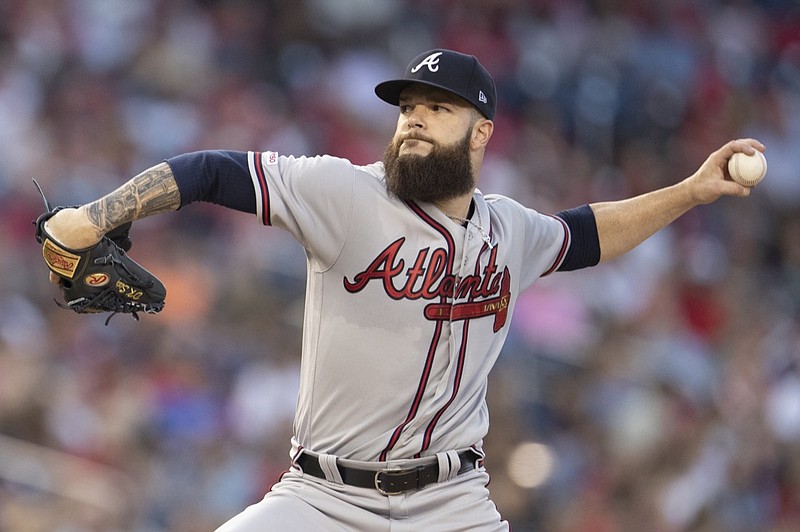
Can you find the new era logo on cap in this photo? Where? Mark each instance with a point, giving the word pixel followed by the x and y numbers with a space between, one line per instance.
pixel 455 72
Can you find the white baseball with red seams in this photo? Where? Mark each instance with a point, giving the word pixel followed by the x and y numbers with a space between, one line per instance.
pixel 747 170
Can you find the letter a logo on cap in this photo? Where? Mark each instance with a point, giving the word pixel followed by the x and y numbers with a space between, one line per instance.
pixel 432 62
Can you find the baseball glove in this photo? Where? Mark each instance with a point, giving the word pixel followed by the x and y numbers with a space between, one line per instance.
pixel 100 278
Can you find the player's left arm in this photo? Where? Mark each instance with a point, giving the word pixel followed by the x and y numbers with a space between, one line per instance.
pixel 623 225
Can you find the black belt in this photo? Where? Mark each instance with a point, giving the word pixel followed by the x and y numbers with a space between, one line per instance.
pixel 388 481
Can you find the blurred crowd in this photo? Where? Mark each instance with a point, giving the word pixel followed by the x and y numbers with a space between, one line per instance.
pixel 665 386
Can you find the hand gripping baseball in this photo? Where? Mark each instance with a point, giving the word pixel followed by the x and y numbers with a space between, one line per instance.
pixel 101 277
pixel 713 180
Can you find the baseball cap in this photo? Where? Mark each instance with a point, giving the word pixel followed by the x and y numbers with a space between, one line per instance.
pixel 452 71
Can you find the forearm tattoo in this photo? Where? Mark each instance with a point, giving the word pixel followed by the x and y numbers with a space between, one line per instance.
pixel 152 192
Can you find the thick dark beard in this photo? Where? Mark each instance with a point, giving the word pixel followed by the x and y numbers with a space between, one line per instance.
pixel 445 173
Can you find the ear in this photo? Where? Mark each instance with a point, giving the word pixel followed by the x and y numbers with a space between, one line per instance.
pixel 481 133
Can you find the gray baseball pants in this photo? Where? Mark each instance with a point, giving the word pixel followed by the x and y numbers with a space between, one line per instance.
pixel 301 502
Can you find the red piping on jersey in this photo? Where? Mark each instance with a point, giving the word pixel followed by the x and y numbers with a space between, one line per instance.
pixel 423 383
pixel 262 181
pixel 564 247
pixel 300 450
pixel 462 354
pixel 426 442
pixel 426 373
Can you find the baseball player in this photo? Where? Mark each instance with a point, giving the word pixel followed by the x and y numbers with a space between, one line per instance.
pixel 413 275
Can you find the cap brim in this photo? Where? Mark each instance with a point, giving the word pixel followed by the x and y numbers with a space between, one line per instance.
pixel 389 91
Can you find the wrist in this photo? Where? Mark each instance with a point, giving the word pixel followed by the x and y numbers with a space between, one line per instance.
pixel 687 193
pixel 72 229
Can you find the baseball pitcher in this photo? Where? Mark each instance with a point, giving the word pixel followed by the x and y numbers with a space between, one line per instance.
pixel 413 275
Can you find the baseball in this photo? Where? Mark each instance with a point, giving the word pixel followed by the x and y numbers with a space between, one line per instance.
pixel 747 170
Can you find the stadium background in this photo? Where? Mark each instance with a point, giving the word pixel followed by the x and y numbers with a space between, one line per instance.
pixel 660 392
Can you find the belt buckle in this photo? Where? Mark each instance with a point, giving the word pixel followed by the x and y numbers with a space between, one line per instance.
pixel 378 481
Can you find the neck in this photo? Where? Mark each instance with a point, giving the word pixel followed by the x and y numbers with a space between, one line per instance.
pixel 459 206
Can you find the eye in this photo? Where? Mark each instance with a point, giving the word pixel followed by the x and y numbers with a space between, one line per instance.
pixel 405 108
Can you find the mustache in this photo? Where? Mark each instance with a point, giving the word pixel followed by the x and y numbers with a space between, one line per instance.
pixel 415 136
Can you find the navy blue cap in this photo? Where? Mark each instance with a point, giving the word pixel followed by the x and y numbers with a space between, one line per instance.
pixel 454 72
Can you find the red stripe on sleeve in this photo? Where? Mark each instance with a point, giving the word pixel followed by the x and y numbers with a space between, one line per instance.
pixel 564 247
pixel 262 182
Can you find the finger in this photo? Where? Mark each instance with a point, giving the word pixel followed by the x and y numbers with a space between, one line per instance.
pixel 732 188
pixel 54 278
pixel 747 145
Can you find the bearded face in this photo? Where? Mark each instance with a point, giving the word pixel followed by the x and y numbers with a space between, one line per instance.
pixel 445 173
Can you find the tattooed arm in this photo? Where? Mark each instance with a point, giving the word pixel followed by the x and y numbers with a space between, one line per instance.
pixel 152 192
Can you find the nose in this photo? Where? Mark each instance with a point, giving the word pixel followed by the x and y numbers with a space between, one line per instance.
pixel 415 119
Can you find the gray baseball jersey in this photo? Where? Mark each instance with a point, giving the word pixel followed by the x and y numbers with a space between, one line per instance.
pixel 406 310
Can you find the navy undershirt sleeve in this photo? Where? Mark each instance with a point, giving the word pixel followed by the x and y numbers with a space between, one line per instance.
pixel 584 250
pixel 220 177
